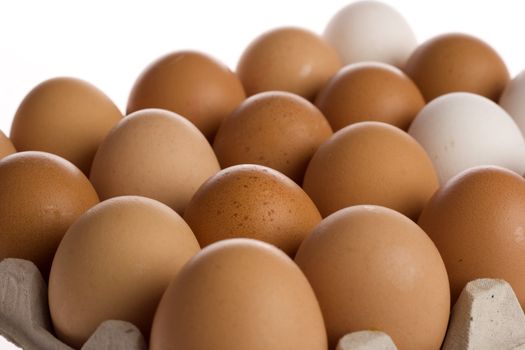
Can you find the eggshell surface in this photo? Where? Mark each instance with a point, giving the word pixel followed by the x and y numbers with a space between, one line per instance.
pixel 189 83
pixel 276 129
pixel 476 221
pixel 512 100
pixel 457 62
pixel 372 268
pixel 114 263
pixel 239 294
pixel 153 153
pixel 370 91
pixel 462 130
pixel 288 59
pixel 370 163
pixel 64 116
pixel 255 202
pixel 370 31
pixel 41 195
pixel 6 146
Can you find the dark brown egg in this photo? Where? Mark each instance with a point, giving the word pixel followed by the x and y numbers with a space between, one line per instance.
pixel 41 195
pixel 476 221
pixel 189 83
pixel 288 59
pixel 457 62
pixel 276 129
pixel 370 91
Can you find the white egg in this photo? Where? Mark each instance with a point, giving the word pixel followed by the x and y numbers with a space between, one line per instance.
pixel 513 100
pixel 371 31
pixel 461 130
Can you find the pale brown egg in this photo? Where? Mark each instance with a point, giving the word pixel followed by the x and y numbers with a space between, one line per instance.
pixel 374 269
pixel 6 146
pixel 41 195
pixel 476 221
pixel 239 294
pixel 114 263
pixel 153 153
pixel 370 91
pixel 288 59
pixel 371 163
pixel 189 83
pixel 252 201
pixel 65 116
pixel 457 62
pixel 277 129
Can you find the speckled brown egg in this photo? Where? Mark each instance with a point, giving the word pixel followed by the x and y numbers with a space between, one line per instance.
pixel 65 116
pixel 370 91
pixel 153 153
pixel 252 201
pixel 372 268
pixel 277 129
pixel 476 221
pixel 192 84
pixel 114 263
pixel 41 195
pixel 239 294
pixel 288 59
pixel 6 146
pixel 457 62
pixel 370 163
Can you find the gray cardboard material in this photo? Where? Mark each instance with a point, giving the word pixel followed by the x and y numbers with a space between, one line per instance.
pixel 487 315
pixel 366 340
pixel 25 321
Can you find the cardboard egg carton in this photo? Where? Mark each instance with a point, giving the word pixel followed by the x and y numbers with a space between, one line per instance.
pixel 487 315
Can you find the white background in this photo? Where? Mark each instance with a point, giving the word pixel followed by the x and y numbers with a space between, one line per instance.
pixel 109 43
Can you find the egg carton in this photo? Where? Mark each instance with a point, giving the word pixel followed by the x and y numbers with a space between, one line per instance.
pixel 487 315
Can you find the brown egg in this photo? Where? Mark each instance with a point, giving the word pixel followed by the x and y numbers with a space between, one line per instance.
pixel 153 153
pixel 288 59
pixel 370 163
pixel 370 91
pixel 374 269
pixel 457 62
pixel 276 129
pixel 6 146
pixel 239 294
pixel 192 84
pixel 65 116
pixel 255 202
pixel 476 221
pixel 114 263
pixel 41 195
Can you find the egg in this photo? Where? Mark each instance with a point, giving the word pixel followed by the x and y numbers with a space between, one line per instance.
pixel 114 263
pixel 370 163
pixel 461 130
pixel 189 83
pixel 370 91
pixel 476 221
pixel 6 146
pixel 372 268
pixel 252 201
pixel 277 129
pixel 513 102
pixel 370 31
pixel 239 294
pixel 457 62
pixel 288 59
pixel 153 153
pixel 65 116
pixel 41 195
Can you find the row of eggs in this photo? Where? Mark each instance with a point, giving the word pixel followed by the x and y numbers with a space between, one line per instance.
pixel 405 144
